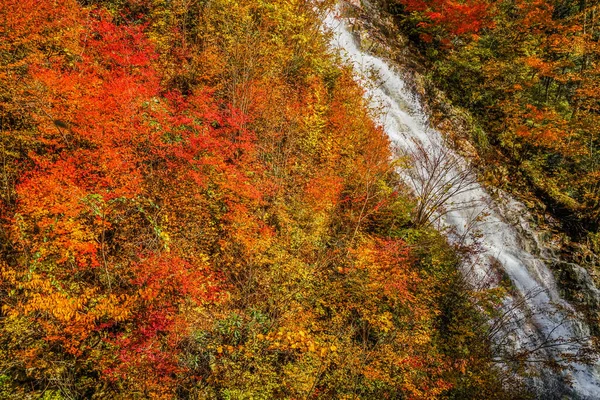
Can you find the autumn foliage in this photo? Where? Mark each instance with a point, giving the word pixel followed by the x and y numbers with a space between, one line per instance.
pixel 195 203
pixel 531 80
pixel 445 20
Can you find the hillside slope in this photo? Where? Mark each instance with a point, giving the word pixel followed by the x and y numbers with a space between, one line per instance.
pixel 196 203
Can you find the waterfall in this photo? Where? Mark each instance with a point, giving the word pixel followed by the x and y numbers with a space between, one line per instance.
pixel 536 317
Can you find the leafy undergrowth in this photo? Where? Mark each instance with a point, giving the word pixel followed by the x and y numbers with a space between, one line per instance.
pixel 195 203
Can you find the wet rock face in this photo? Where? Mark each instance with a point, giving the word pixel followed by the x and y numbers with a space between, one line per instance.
pixel 579 288
pixel 577 283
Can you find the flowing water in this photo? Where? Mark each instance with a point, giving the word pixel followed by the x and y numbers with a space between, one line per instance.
pixel 536 321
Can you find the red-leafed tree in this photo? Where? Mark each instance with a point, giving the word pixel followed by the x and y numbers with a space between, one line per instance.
pixel 446 19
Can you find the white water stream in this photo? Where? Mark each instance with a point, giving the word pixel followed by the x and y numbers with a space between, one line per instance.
pixel 537 317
